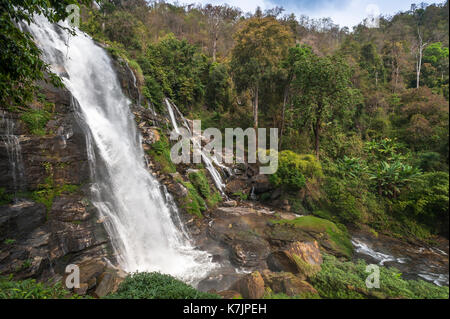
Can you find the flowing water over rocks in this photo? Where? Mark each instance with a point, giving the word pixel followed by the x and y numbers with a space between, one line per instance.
pixel 12 146
pixel 141 225
pixel 414 261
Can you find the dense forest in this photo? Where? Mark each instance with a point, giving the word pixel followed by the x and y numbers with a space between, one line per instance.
pixel 362 114
pixel 371 103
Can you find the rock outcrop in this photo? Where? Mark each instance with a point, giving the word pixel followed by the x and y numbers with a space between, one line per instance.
pixel 49 222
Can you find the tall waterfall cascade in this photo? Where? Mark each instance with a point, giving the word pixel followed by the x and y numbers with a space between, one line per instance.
pixel 138 214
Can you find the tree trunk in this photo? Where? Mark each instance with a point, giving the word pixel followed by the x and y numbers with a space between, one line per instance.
pixel 255 107
pixel 316 137
pixel 255 112
pixel 215 47
pixel 283 112
pixel 419 58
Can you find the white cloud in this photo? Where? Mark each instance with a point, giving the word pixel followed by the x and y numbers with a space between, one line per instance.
pixel 244 5
pixel 345 13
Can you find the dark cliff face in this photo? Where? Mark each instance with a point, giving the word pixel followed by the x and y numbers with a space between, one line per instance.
pixel 50 223
pixel 46 218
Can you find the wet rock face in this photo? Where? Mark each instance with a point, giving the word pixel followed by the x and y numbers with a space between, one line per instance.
pixel 127 79
pixel 18 220
pixel 39 240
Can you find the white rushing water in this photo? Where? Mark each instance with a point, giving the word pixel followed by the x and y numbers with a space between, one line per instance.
pixel 137 214
pixel 207 160
pixel 14 152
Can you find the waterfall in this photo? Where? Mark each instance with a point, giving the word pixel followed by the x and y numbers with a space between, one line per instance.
pixel 14 153
pixel 217 178
pixel 139 221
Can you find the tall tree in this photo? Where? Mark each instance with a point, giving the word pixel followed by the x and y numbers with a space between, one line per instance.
pixel 261 45
pixel 323 92
pixel 217 18
pixel 20 62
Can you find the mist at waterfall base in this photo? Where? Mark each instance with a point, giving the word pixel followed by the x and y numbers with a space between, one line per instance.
pixel 140 221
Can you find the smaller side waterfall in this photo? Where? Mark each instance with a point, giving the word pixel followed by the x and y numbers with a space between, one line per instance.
pixel 218 181
pixel 14 152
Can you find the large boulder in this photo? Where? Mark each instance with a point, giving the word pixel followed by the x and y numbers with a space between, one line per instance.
pixel 287 283
pixel 250 286
pixel 303 258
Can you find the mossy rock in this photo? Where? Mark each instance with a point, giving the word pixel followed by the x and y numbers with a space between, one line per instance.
pixel 330 237
pixel 160 154
pixel 200 181
pixel 193 203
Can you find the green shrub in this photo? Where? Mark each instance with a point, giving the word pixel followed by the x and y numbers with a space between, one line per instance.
pixel 427 200
pixel 288 174
pixel 346 280
pixel 199 180
pixel 36 120
pixel 341 202
pixel 30 289
pixel 5 198
pixel 160 153
pixel 157 286
pixel 193 203
pixel 242 196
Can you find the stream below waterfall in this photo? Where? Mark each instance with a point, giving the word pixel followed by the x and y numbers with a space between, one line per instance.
pixel 414 261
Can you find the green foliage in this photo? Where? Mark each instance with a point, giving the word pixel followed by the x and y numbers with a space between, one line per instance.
pixel 46 192
pixel 5 198
pixel 427 200
pixel 157 286
pixel 199 180
pixel 341 201
pixel 176 69
pixel 292 169
pixel 218 88
pixel 241 195
pixel 272 295
pixel 20 62
pixel 160 153
pixel 36 120
pixel 9 241
pixel 30 289
pixel 193 202
pixel 390 178
pixel 346 280
pixel 326 92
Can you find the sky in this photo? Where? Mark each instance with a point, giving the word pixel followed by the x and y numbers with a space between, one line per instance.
pixel 343 12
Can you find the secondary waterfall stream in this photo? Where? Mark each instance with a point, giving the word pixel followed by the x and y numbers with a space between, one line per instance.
pixel 14 152
pixel 207 160
pixel 141 223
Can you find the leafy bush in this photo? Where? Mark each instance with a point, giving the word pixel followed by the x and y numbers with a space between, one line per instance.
pixel 157 286
pixel 199 180
pixel 390 178
pixel 160 153
pixel 427 200
pixel 30 289
pixel 292 169
pixel 193 202
pixel 5 198
pixel 341 201
pixel 36 120
pixel 346 280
